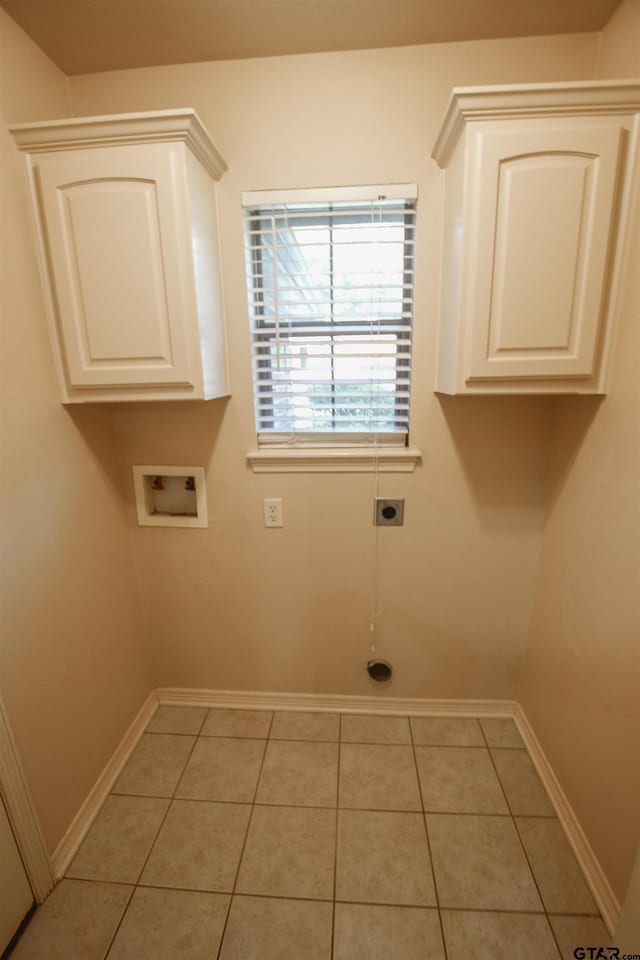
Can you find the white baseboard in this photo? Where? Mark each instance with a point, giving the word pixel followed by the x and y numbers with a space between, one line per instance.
pixel 321 702
pixel 593 873
pixel 70 843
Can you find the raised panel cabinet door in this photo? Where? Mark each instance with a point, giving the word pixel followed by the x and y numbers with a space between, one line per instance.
pixel 115 235
pixel 540 250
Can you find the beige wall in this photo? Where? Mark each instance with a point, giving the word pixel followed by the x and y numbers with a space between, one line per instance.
pixel 241 607
pixel 73 670
pixel 582 673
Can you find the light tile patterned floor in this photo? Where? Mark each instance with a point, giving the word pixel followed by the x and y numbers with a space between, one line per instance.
pixel 244 835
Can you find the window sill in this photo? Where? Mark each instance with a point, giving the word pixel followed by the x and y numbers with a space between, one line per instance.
pixel 334 460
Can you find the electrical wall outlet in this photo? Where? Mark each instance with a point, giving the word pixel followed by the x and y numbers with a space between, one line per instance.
pixel 273 516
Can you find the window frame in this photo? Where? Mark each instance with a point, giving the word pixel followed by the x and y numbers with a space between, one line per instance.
pixel 330 450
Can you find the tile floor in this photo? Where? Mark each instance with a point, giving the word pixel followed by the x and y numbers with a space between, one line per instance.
pixel 248 835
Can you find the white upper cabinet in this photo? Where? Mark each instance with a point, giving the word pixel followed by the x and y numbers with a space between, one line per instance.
pixel 538 187
pixel 126 218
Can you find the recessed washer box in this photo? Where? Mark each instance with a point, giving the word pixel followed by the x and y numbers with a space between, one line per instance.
pixel 170 496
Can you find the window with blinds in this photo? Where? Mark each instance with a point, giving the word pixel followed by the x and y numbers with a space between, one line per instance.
pixel 330 277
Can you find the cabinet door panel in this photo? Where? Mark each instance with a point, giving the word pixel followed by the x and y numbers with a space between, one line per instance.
pixel 544 218
pixel 113 225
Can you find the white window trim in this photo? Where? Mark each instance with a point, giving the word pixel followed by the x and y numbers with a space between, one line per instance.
pixel 323 453
pixel 357 459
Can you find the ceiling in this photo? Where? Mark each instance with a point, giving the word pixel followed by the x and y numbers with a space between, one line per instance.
pixel 85 36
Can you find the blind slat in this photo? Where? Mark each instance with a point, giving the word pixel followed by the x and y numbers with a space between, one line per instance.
pixel 326 334
pixel 300 285
pixel 342 425
pixel 325 325
pixel 268 356
pixel 318 341
pixel 323 415
pixel 391 380
pixel 294 329
pixel 392 213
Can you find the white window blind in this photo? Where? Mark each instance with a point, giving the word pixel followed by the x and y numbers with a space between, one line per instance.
pixel 330 277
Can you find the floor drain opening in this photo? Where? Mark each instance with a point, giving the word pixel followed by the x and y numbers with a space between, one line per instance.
pixel 379 670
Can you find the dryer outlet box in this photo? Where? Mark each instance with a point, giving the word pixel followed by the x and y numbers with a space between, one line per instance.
pixel 388 513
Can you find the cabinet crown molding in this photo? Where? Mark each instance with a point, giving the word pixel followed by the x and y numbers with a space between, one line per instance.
pixel 508 102
pixel 158 126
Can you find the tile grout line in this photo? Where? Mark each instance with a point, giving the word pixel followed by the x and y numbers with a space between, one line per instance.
pixel 120 921
pixel 526 857
pixel 315 806
pixel 426 831
pixel 361 903
pixel 154 841
pixel 244 844
pixel 361 743
pixel 535 880
pixel 335 846
pixel 170 804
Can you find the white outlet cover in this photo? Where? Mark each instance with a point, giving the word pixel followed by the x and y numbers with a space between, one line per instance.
pixel 273 515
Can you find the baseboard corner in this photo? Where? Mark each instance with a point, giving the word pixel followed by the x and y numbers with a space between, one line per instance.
pixel 594 875
pixel 81 823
